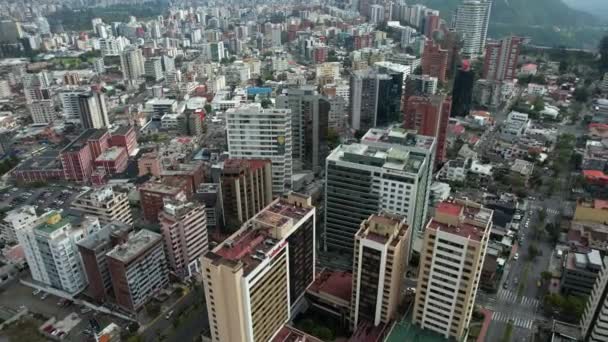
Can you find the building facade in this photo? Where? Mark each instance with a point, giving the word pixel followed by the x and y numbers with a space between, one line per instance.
pixel 501 58
pixel 471 22
pixel 107 204
pixel 594 323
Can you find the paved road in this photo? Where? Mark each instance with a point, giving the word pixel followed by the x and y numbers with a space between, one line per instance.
pixel 189 328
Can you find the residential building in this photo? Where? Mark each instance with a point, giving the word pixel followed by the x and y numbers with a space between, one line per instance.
pixel 107 203
pixel 376 14
pixel 93 250
pixel 471 22
pixel 138 269
pixel 184 229
pixel 580 271
pixel 515 126
pixel 591 211
pixel 462 95
pixel 132 64
pixel 89 108
pixel 256 133
pixel 594 323
pixel 78 156
pixel 453 252
pixel 16 219
pixel 390 170
pixel 124 136
pixel 153 69
pixel 246 189
pixel 435 61
pixel 429 115
pixel 153 194
pixel 420 85
pixel 261 272
pixel 50 249
pixel 42 112
pixel 309 125
pixel 501 58
pixel 375 99
pixel 211 194
pixel 380 259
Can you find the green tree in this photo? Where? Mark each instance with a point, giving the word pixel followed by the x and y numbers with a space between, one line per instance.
pixel 153 309
pixel 539 104
pixel 323 333
pixel 546 275
pixel 307 325
pixel 266 103
pixel 581 94
pixel 135 338
pixel 532 251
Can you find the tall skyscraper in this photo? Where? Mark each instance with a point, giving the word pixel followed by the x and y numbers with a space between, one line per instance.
pixel 246 189
pixel 501 59
pixel 429 115
pixel 471 21
pixel 453 252
pixel 379 262
pixel 49 244
pixel 595 319
pixel 255 277
pixel 375 99
pixel 462 95
pixel 434 60
pixel 376 14
pixel 132 64
pixel 256 133
pixel 153 68
pixel 309 124
pixel 92 110
pixel 184 229
pixel 390 170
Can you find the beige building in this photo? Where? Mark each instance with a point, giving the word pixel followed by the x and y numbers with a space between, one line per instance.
pixel 453 251
pixel 108 204
pixel 380 259
pixel 184 229
pixel 255 277
pixel 592 211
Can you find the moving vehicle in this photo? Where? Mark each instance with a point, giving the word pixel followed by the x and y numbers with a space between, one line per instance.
pixel 168 315
pixel 516 256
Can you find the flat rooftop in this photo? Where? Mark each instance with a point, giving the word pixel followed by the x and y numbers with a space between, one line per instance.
pixel 103 235
pixel 81 141
pixel 45 162
pixel 334 283
pixel 260 235
pixel 398 136
pixel 122 130
pixel 463 218
pixel 111 154
pixel 137 244
pixel 396 157
pixel 290 334
pixel 50 226
pixel 160 188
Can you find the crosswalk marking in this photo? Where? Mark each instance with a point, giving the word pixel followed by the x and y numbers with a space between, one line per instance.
pixel 518 322
pixel 551 211
pixel 509 296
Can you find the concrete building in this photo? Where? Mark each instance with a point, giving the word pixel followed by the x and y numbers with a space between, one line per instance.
pixel 138 268
pixel 515 126
pixel 435 61
pixel 184 229
pixel 429 115
pixel 261 272
pixel 595 319
pixel 89 108
pixel 16 219
pixel 256 133
pixel 376 14
pixel 501 59
pixel 380 259
pixel 420 85
pixel 390 170
pixel 471 22
pixel 153 194
pixel 132 64
pixel 153 69
pixel 454 248
pixel 42 112
pixel 93 249
pixel 580 271
pixel 309 125
pixel 591 211
pixel 50 249
pixel 107 204
pixel 246 189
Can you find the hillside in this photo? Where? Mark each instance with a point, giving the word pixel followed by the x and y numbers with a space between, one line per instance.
pixel 547 22
pixel 599 8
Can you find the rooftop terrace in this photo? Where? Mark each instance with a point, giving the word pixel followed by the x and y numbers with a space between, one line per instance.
pixel 137 244
pixel 398 136
pixel 463 218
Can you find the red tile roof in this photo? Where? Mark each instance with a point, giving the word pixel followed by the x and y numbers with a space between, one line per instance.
pixel 334 283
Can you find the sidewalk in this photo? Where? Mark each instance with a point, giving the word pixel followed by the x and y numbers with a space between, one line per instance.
pixel 487 321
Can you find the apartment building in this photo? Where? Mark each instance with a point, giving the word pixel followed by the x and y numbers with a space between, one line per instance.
pixel 49 244
pixel 390 170
pixel 184 229
pixel 595 319
pixel 138 269
pixel 454 248
pixel 380 260
pixel 255 277
pixel 106 203
pixel 246 189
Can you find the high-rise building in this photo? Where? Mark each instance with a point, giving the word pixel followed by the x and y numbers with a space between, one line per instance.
pixel 595 319
pixel 501 59
pixel 390 170
pixel 5 89
pixel 261 272
pixel 462 94
pixel 429 115
pixel 471 22
pixel 256 133
pixel 15 219
pixel 380 259
pixel 375 99
pixel 10 31
pixel 434 60
pixel 153 68
pixel 153 194
pixel 93 250
pixel 420 85
pixel 376 14
pixel 132 64
pixel 138 269
pixel 42 111
pixel 309 124
pixel 49 244
pixel 184 229
pixel 246 189
pixel 88 108
pixel 107 204
pixel 453 252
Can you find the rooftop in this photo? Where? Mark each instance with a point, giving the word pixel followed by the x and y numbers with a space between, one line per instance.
pixel 462 217
pixel 122 130
pixel 81 141
pixel 395 157
pixel 137 244
pixel 398 136
pixel 103 235
pixel 111 153
pixel 47 161
pixel 161 188
pixel 290 334
pixel 334 283
pixel 54 222
pixel 383 229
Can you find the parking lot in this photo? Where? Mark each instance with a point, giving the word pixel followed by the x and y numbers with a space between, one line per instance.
pixel 53 197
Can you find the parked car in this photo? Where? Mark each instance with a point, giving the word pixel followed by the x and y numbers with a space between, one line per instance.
pixel 516 256
pixel 168 315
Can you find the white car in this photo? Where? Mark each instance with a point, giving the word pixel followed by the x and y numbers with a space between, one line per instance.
pixel 516 256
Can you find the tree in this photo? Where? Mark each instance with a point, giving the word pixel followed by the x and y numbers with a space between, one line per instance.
pixel 546 275
pixel 542 215
pixel 307 325
pixel 603 54
pixel 135 338
pixel 153 309
pixel 581 94
pixel 323 333
pixel 539 104
pixel 266 103
pixel 333 139
pixel 532 251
